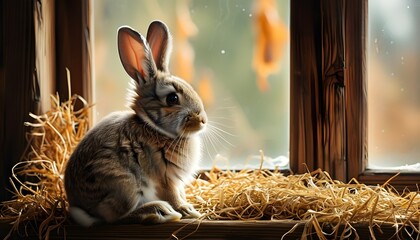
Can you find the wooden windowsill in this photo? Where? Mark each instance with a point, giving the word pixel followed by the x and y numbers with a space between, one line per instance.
pixel 189 229
pixel 406 180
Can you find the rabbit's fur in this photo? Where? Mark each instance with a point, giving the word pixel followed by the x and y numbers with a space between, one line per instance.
pixel 135 164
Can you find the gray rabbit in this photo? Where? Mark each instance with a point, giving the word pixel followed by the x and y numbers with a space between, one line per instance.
pixel 135 164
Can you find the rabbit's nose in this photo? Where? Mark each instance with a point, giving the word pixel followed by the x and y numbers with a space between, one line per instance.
pixel 202 116
pixel 195 122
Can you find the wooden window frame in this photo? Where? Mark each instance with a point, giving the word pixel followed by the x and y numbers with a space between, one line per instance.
pixel 329 93
pixel 39 40
pixel 323 88
pixel 357 105
pixel 328 127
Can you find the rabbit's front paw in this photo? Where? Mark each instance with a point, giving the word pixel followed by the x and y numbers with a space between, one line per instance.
pixel 188 211
pixel 158 212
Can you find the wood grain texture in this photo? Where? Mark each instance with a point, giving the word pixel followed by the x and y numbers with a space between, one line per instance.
pixel 188 229
pixel 356 87
pixel 304 88
pixel 317 125
pixel 332 131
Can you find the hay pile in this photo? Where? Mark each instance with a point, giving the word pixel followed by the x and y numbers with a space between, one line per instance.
pixel 220 195
pixel 37 181
pixel 311 197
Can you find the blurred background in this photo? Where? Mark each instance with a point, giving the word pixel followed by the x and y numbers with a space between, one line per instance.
pixel 394 84
pixel 235 54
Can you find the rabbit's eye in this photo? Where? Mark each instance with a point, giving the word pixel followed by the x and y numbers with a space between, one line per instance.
pixel 172 99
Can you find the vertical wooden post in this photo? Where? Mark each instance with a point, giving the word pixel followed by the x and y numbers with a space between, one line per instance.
pixel 44 24
pixel 18 90
pixel 356 87
pixel 73 47
pixel 304 90
pixel 333 95
pixel 318 136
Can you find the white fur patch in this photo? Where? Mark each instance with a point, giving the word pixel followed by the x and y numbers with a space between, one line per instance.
pixel 195 154
pixel 149 192
pixel 82 217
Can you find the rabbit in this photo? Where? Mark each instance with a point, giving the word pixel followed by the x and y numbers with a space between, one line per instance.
pixel 135 164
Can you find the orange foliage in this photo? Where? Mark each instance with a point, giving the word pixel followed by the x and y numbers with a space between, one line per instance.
pixel 272 35
pixel 184 53
pixel 205 89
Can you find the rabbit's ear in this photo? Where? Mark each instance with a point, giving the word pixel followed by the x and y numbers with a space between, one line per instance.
pixel 135 55
pixel 159 39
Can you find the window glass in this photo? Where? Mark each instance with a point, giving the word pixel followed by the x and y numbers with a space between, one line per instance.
pixel 215 44
pixel 394 84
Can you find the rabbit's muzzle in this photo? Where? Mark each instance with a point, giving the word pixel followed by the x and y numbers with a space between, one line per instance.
pixel 195 122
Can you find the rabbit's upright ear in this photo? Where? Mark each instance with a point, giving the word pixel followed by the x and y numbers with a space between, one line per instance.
pixel 159 39
pixel 135 55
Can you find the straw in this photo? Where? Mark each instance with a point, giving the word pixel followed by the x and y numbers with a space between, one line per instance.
pixel 313 197
pixel 37 181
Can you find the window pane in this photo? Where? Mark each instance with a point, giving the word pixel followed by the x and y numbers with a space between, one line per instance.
pixel 222 36
pixel 394 83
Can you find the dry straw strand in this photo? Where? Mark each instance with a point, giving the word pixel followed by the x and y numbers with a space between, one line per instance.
pixel 314 198
pixel 37 181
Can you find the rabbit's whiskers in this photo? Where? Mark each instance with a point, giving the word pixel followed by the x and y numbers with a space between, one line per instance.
pixel 215 137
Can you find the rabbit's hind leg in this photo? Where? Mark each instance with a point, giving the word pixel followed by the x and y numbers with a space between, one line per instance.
pixel 118 204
